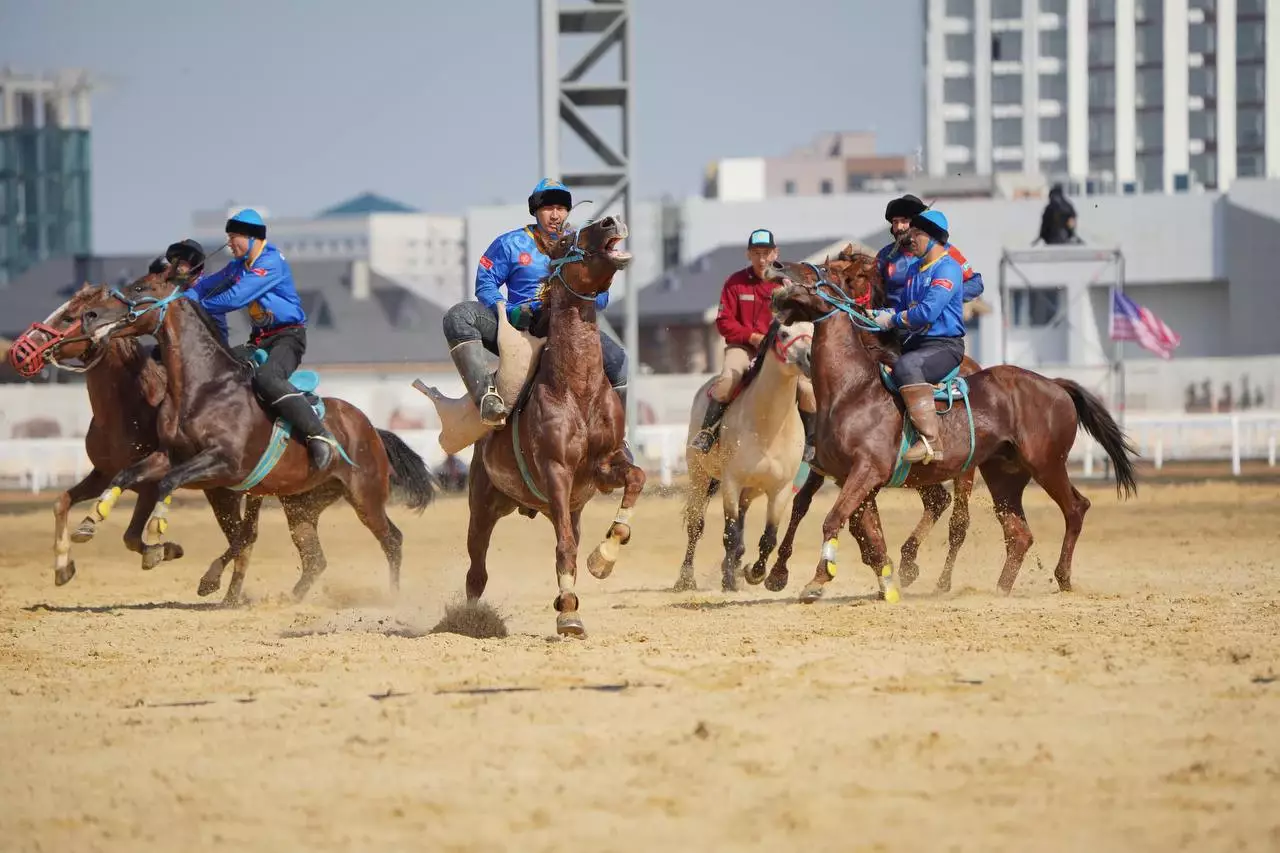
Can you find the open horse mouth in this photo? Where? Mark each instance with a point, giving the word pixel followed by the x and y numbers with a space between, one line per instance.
pixel 619 257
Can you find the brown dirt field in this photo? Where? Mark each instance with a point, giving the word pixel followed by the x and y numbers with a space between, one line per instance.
pixel 1139 713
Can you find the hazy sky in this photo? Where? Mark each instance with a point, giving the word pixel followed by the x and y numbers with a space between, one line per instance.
pixel 298 104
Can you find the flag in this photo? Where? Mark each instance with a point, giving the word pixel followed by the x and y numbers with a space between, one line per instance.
pixel 1131 322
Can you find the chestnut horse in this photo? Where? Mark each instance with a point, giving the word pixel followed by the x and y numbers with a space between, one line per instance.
pixel 563 441
pixel 1023 427
pixel 216 434
pixel 861 278
pixel 125 386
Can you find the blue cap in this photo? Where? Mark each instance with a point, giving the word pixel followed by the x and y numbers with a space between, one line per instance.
pixel 761 237
pixel 934 223
pixel 249 223
pixel 549 192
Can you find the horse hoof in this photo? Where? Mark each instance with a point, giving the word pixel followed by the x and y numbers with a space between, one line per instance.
pixel 231 602
pixel 811 593
pixel 569 625
pixel 907 574
pixel 84 532
pixel 776 582
pixel 209 585
pixel 152 556
pixel 173 551
pixel 685 583
pixel 598 564
pixel 942 587
pixel 64 574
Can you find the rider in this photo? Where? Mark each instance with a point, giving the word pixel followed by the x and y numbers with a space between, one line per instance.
pixel 259 279
pixel 744 317
pixel 929 311
pixel 517 259
pixel 895 261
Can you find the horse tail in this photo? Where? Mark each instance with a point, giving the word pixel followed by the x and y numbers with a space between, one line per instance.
pixel 411 479
pixel 1098 423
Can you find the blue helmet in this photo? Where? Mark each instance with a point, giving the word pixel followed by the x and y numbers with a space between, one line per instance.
pixel 934 223
pixel 249 223
pixel 549 192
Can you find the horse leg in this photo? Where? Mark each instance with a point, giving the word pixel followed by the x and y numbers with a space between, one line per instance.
pixel 208 464
pixel 226 511
pixel 778 576
pixel 146 504
pixel 486 506
pixel 302 514
pixel 695 520
pixel 858 486
pixel 935 500
pixel 617 472
pixel 64 568
pixel 149 468
pixel 368 497
pixel 779 503
pixel 1006 487
pixel 958 528
pixel 868 533
pixel 1054 479
pixel 733 503
pixel 245 536
pixel 559 482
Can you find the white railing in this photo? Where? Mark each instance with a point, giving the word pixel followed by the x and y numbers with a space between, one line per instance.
pixel 40 463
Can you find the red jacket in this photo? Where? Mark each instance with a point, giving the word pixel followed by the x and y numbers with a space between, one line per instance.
pixel 745 308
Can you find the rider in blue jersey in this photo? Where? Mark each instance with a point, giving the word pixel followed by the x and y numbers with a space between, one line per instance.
pixel 518 261
pixel 896 262
pixel 929 313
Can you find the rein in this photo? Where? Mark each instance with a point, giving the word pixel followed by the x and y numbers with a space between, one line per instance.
pixel 576 254
pixel 841 303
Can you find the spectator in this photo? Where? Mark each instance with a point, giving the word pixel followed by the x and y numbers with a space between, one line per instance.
pixel 1058 222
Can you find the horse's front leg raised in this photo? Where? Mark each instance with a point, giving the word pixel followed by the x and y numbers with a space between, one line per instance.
pixel 617 471
pixel 208 464
pixel 858 486
pixel 64 568
pixel 559 483
pixel 147 469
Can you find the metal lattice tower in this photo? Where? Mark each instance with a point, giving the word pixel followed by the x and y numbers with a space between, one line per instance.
pixel 568 101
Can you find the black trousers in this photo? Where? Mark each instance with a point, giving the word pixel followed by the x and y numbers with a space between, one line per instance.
pixel 271 383
pixel 928 360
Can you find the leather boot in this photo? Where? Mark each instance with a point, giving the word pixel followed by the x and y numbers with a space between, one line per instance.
pixel 710 431
pixel 472 361
pixel 295 409
pixel 808 419
pixel 924 416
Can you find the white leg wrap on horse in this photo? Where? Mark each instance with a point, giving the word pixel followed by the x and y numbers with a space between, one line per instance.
pixel 623 516
pixel 159 522
pixel 566 582
pixel 829 549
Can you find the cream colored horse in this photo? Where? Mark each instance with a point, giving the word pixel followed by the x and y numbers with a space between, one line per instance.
pixel 758 453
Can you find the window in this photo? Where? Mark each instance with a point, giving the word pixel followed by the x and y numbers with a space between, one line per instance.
pixel 959 47
pixel 826 186
pixel 1006 89
pixel 1102 10
pixel 1202 82
pixel 1053 87
pixel 1150 130
pixel 1205 168
pixel 1102 89
pixel 960 132
pixel 1054 129
pixel 1150 87
pixel 1035 306
pixel 1250 84
pixel 1054 7
pixel 958 90
pixel 1203 124
pixel 1053 44
pixel 1009 166
pixel 1006 132
pixel 1250 7
pixel 1151 172
pixel 1149 10
pixel 1251 40
pixel 1249 165
pixel 1150 43
pixel 1250 130
pixel 1007 46
pixel 1202 38
pixel 789 188
pixel 1102 46
pixel 960 8
pixel 1006 10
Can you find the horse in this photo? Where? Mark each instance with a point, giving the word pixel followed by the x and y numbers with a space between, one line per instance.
pixel 215 433
pixel 1019 426
pixel 563 441
pixel 856 268
pixel 125 386
pixel 759 451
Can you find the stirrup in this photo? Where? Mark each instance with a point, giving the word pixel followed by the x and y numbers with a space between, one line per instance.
pixel 501 407
pixel 929 455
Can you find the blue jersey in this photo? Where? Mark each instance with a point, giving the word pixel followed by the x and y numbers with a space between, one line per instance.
pixel 931 304
pixel 514 260
pixel 896 267
pixel 261 282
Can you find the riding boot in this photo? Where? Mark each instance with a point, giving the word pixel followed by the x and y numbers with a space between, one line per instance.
pixel 924 416
pixel 710 431
pixel 471 359
pixel 306 423
pixel 808 419
pixel 626 446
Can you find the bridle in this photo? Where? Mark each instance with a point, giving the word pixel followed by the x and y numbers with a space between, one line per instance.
pixel 840 301
pixel 576 254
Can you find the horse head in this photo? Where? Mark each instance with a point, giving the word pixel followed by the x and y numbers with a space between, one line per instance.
pixel 135 309
pixel 59 340
pixel 793 345
pixel 584 261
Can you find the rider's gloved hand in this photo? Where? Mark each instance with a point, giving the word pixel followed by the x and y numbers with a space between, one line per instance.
pixel 884 319
pixel 521 316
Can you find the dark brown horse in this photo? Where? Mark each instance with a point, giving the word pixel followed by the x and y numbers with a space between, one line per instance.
pixel 125 387
pixel 564 441
pixel 1024 427
pixel 214 433
pixel 855 269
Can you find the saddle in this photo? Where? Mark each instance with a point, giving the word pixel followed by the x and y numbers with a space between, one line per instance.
pixel 305 381
pixel 460 423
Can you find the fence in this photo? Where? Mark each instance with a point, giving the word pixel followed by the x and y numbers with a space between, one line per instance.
pixel 41 463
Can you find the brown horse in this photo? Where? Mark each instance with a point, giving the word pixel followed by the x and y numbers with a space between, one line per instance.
pixel 1024 425
pixel 859 275
pixel 125 386
pixel 216 434
pixel 564 440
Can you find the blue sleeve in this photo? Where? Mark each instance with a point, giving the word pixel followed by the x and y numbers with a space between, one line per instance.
pixel 973 287
pixel 210 283
pixel 492 273
pixel 944 283
pixel 253 285
pixel 602 300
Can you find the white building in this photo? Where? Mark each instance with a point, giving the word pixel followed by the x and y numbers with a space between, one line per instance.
pixel 421 251
pixel 1123 95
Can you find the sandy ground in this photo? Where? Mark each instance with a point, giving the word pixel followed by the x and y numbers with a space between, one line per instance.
pixel 1139 713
